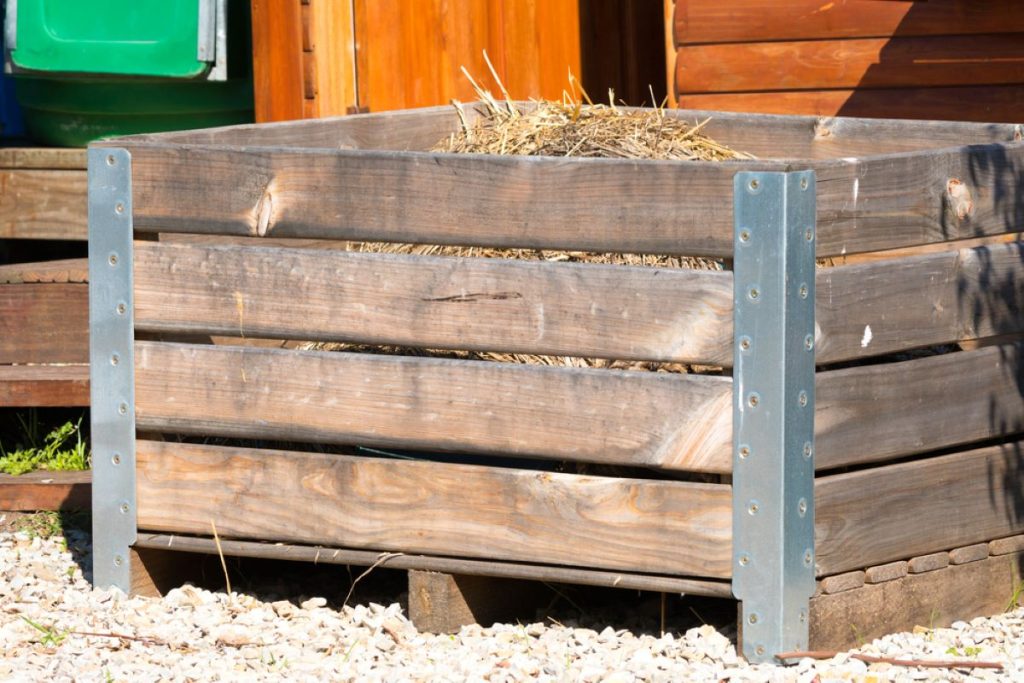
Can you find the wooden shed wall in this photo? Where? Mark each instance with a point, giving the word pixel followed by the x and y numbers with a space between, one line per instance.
pixel 931 59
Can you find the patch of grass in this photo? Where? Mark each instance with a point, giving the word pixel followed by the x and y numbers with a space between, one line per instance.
pixel 61 449
pixel 48 524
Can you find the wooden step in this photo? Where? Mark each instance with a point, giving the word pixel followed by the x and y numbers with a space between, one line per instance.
pixel 44 386
pixel 42 490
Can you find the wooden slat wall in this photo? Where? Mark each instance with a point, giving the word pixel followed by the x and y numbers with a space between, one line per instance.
pixel 44 323
pixel 928 59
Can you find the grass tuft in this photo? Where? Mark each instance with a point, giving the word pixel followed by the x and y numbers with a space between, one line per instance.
pixel 61 449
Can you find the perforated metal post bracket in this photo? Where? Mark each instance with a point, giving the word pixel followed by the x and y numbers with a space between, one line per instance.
pixel 773 410
pixel 111 366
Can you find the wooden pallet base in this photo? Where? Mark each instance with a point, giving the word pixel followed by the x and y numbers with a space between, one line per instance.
pixel 849 610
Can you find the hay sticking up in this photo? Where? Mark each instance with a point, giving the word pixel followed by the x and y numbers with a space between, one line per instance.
pixel 571 128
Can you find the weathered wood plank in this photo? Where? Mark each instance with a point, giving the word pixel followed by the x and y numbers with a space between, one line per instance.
pixel 43 204
pixel 855 63
pixel 42 490
pixel 459 565
pixel 983 103
pixel 710 21
pixel 900 511
pixel 578 204
pixel 877 412
pixel 424 507
pixel 479 304
pixel 637 418
pixel 561 309
pixel 874 308
pixel 44 323
pixel 43 158
pixel 934 599
pixel 63 270
pixel 44 385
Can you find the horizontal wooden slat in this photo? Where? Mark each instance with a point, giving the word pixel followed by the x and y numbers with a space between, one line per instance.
pixel 962 103
pixel 43 204
pixel 861 63
pixel 583 310
pixel 636 418
pixel 44 323
pixel 873 308
pixel 63 270
pixel 878 412
pixel 897 512
pixel 42 490
pixel 421 507
pixel 42 158
pixel 712 21
pixel 454 565
pixel 44 385
pixel 584 204
pixel 479 304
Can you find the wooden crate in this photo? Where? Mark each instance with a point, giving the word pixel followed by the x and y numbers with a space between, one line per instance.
pixel 915 453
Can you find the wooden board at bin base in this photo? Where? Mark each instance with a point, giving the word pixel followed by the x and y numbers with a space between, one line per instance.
pixel 43 204
pixel 41 490
pixel 878 515
pixel 436 508
pixel 444 603
pixel 933 599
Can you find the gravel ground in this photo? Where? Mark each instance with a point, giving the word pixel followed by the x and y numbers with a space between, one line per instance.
pixel 54 627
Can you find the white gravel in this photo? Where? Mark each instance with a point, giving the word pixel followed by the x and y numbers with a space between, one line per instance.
pixel 196 635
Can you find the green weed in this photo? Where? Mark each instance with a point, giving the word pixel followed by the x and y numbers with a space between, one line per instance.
pixel 61 449
pixel 1015 597
pixel 968 651
pixel 50 637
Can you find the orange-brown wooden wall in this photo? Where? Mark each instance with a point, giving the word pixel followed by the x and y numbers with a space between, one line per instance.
pixel 936 59
pixel 327 57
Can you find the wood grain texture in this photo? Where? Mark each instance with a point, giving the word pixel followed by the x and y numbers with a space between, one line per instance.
pixel 638 418
pixel 878 307
pixel 842 621
pixel 43 158
pixel 855 63
pixel 712 21
pixel 510 570
pixel 985 103
pixel 900 511
pixel 41 490
pixel 877 412
pixel 277 59
pixel 43 204
pixel 44 323
pixel 63 270
pixel 444 603
pixel 42 386
pixel 333 47
pixel 790 137
pixel 411 52
pixel 423 507
pixel 482 304
pixel 579 204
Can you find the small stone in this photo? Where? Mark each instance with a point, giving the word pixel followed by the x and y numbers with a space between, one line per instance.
pixel 314 603
pixel 970 553
pixel 928 563
pixel 842 582
pixel 886 572
pixel 1005 546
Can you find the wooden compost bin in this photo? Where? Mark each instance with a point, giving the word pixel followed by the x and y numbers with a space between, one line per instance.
pixel 916 454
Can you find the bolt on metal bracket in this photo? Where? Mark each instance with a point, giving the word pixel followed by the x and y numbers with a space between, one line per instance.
pixel 773 410
pixel 111 366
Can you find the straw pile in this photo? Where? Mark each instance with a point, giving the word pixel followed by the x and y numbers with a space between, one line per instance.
pixel 573 127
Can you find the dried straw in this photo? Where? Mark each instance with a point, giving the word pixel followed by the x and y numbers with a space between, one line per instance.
pixel 573 127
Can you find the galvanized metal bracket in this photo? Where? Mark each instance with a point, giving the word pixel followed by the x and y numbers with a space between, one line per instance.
pixel 111 365
pixel 773 410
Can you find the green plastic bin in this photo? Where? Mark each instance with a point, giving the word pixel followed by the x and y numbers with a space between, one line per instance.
pixel 100 68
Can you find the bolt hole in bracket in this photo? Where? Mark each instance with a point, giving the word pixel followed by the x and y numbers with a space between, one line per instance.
pixel 773 410
pixel 111 365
